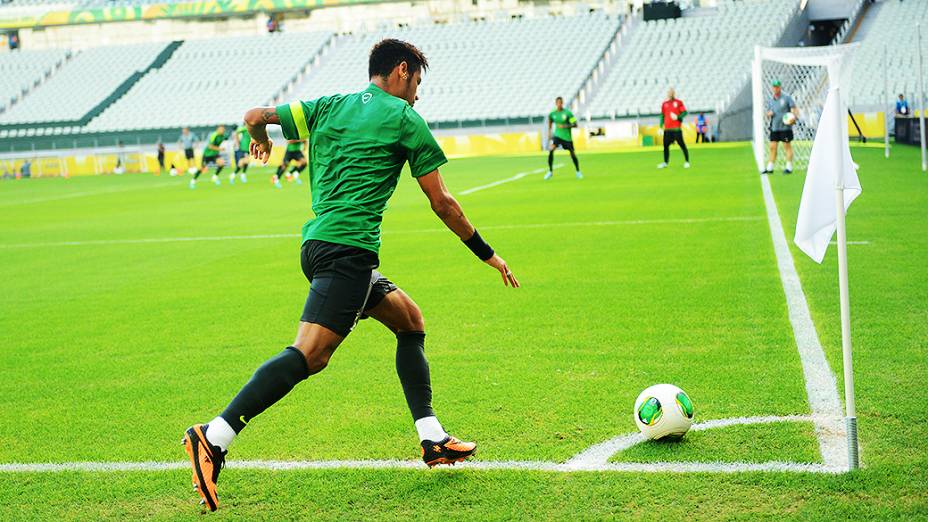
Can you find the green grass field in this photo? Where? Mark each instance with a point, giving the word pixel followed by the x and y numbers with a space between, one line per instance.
pixel 133 307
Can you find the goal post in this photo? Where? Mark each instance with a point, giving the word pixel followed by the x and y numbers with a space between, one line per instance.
pixel 806 73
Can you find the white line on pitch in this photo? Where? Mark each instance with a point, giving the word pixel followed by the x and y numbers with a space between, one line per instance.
pixel 821 386
pixel 71 195
pixel 599 454
pixel 507 180
pixel 852 243
pixel 594 458
pixel 682 221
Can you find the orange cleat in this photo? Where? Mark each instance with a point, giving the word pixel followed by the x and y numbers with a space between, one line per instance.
pixel 207 461
pixel 447 451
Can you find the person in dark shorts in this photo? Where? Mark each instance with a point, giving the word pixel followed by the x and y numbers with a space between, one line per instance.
pixel 160 158
pixel 353 176
pixel 778 107
pixel 563 120
pixel 672 113
pixel 187 141
pixel 293 153
pixel 242 144
pixel 212 156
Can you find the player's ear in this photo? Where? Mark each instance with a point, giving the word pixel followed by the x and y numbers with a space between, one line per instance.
pixel 403 70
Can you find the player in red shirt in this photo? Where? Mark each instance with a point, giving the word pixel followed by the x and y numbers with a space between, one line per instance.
pixel 672 113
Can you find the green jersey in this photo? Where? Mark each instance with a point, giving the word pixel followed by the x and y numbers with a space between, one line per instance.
pixel 214 139
pixel 296 146
pixel 562 117
pixel 359 143
pixel 244 139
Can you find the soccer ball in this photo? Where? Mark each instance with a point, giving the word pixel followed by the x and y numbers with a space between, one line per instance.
pixel 663 410
pixel 789 119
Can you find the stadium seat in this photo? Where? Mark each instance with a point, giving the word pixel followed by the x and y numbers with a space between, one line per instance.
pixel 22 70
pixel 892 29
pixel 706 58
pixel 78 86
pixel 522 65
pixel 206 82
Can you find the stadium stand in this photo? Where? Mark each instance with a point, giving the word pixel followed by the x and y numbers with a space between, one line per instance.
pixel 892 28
pixel 80 84
pixel 481 70
pixel 210 81
pixel 707 58
pixel 24 70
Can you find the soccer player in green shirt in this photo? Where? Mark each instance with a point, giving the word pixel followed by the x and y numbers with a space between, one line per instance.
pixel 211 156
pixel 353 174
pixel 294 152
pixel 242 144
pixel 563 120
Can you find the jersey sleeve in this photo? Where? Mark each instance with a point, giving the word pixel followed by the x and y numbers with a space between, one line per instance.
pixel 422 151
pixel 570 118
pixel 296 118
pixel 791 104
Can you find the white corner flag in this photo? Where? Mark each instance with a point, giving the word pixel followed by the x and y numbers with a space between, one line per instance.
pixel 830 167
pixel 831 185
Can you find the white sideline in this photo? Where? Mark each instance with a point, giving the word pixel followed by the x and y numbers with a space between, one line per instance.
pixel 94 242
pixel 594 458
pixel 821 386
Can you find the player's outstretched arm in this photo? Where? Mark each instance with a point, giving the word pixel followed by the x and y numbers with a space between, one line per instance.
pixel 450 212
pixel 257 120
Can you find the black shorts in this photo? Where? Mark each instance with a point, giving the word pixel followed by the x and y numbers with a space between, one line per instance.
pixel 161 159
pixel 239 154
pixel 562 144
pixel 344 283
pixel 209 161
pixel 292 155
pixel 188 153
pixel 672 136
pixel 785 136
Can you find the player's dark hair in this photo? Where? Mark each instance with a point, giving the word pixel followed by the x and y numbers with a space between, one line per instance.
pixel 389 53
pixel 559 98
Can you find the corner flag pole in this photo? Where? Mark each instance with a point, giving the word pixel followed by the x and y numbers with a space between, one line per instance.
pixel 850 406
pixel 886 100
pixel 921 96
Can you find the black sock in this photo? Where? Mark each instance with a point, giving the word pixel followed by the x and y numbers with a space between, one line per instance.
pixel 218 170
pixel 550 160
pixel 294 169
pixel 271 381
pixel 196 175
pixel 666 152
pixel 280 171
pixel 413 370
pixel 237 168
pixel 245 168
pixel 300 169
pixel 576 162
pixel 686 153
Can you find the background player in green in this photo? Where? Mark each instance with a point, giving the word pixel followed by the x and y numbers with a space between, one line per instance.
pixel 294 153
pixel 211 156
pixel 353 175
pixel 563 120
pixel 242 144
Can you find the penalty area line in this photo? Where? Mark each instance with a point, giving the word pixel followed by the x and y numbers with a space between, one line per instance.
pixel 518 176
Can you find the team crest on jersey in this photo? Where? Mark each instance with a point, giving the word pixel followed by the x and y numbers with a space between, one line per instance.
pixel 366 97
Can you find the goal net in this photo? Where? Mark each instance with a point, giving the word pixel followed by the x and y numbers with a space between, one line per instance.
pixel 805 74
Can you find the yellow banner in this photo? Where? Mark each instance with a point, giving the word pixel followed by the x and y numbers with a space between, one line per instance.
pixel 167 10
